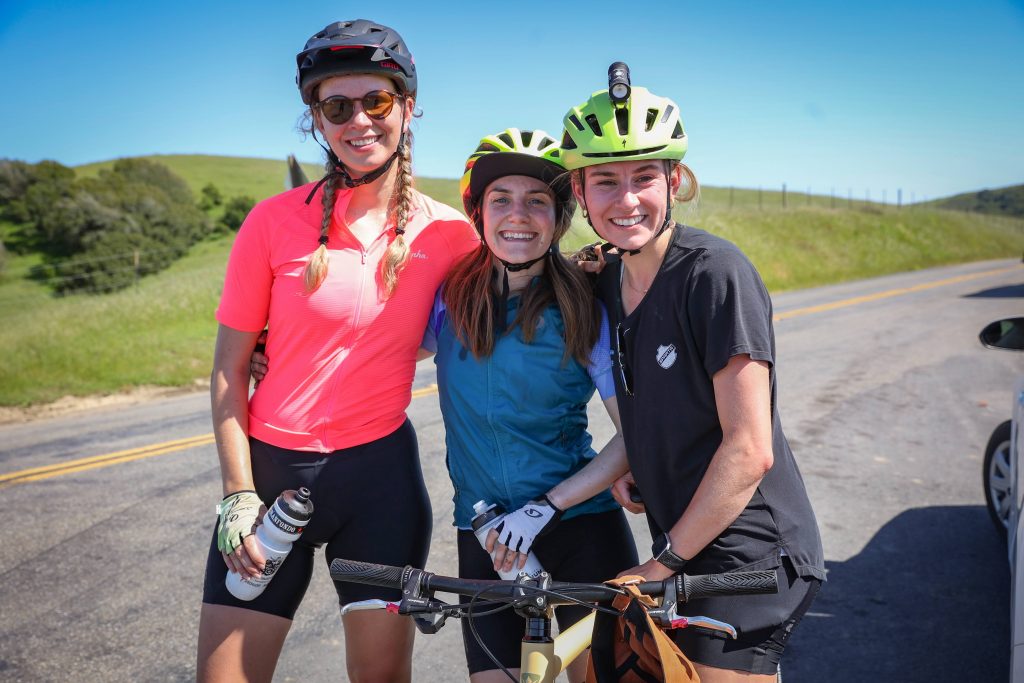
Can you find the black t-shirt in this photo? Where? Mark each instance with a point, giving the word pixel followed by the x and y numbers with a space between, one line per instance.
pixel 706 305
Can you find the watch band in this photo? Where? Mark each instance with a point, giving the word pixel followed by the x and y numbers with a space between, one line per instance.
pixel 662 551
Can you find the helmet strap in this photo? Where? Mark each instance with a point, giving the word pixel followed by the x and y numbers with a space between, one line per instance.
pixel 500 311
pixel 341 172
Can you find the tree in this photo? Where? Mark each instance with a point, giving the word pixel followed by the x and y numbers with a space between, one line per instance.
pixel 209 197
pixel 236 210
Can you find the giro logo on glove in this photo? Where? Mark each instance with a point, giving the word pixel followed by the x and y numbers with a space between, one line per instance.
pixel 238 513
pixel 519 529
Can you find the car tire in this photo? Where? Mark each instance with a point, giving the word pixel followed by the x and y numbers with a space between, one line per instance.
pixel 998 484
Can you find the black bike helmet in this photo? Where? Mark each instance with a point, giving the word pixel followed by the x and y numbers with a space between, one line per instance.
pixel 354 47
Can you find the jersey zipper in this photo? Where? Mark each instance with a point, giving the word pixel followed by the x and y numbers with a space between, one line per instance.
pixel 355 329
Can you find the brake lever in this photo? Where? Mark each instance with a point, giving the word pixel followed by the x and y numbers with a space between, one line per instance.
pixel 667 617
pixel 391 607
pixel 705 623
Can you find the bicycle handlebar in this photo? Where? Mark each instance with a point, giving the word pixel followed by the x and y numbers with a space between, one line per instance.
pixel 687 587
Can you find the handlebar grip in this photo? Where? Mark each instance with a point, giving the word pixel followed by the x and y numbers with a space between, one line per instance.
pixel 366 572
pixel 733 583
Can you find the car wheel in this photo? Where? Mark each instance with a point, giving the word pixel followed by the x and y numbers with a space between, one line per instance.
pixel 998 485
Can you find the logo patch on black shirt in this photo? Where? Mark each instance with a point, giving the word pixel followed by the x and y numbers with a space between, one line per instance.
pixel 666 356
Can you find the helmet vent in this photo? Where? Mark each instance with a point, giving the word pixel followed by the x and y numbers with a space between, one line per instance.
pixel 622 120
pixel 567 141
pixel 507 139
pixel 527 137
pixel 486 147
pixel 591 120
pixel 668 112
pixel 652 117
pixel 678 132
pixel 576 122
pixel 546 142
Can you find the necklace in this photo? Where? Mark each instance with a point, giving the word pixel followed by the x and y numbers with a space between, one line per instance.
pixel 629 282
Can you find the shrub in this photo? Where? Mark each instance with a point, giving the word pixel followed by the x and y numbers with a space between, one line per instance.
pixel 100 234
pixel 210 197
pixel 236 210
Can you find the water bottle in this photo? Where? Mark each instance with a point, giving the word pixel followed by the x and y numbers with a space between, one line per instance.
pixel 281 527
pixel 488 517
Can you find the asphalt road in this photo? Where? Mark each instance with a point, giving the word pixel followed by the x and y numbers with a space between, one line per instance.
pixel 885 394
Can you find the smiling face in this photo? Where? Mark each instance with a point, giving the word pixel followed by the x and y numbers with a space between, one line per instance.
pixel 362 143
pixel 627 199
pixel 518 218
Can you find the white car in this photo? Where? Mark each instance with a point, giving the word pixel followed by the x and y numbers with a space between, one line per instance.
pixel 1004 485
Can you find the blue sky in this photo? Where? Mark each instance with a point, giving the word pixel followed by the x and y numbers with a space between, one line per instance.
pixel 927 97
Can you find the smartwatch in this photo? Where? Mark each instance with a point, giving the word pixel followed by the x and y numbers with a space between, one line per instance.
pixel 662 551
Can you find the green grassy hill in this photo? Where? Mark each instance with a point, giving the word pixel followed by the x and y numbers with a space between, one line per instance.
pixel 161 331
pixel 1004 201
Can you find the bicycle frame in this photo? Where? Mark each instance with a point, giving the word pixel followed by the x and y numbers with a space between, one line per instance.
pixel 541 662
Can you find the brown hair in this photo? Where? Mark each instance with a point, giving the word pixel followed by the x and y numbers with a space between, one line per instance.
pixel 471 300
pixel 399 207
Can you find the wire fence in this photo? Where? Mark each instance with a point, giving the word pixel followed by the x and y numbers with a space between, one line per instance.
pixel 785 197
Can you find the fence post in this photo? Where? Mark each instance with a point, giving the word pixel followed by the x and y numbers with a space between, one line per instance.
pixel 783 195
pixel 135 258
pixel 899 198
pixel 730 197
pixel 759 197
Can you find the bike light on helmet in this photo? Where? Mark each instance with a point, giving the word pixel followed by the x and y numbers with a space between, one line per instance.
pixel 618 82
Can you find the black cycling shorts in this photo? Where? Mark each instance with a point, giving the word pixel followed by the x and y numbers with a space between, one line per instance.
pixel 369 504
pixel 589 548
pixel 763 622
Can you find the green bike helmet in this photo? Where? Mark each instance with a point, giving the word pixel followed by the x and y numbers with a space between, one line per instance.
pixel 517 152
pixel 645 126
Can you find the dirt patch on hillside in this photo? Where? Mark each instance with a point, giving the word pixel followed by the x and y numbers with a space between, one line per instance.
pixel 74 404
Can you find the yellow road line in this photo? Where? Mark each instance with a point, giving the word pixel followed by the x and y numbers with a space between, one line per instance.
pixel 97 461
pixel 425 391
pixel 889 293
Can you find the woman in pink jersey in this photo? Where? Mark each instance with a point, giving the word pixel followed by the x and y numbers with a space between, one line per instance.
pixel 345 273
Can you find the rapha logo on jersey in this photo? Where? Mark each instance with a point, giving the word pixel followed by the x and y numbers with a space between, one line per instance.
pixel 418 254
pixel 666 356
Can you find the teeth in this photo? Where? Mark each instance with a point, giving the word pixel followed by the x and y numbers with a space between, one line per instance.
pixel 517 235
pixel 627 222
pixel 363 142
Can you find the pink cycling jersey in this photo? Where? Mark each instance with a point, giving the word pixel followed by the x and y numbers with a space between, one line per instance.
pixel 342 358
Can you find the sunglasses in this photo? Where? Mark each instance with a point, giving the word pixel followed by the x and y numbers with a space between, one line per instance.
pixel 340 109
pixel 625 372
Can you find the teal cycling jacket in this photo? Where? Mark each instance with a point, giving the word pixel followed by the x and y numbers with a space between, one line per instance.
pixel 515 422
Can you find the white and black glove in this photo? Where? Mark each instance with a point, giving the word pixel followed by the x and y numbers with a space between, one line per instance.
pixel 519 529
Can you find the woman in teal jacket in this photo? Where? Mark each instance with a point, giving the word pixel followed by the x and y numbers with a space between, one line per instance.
pixel 520 346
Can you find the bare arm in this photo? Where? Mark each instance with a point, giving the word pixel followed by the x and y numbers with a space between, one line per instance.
pixel 743 401
pixel 598 474
pixel 229 399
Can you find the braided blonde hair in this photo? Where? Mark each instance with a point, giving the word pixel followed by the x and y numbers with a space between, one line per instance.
pixel 402 198
pixel 316 267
